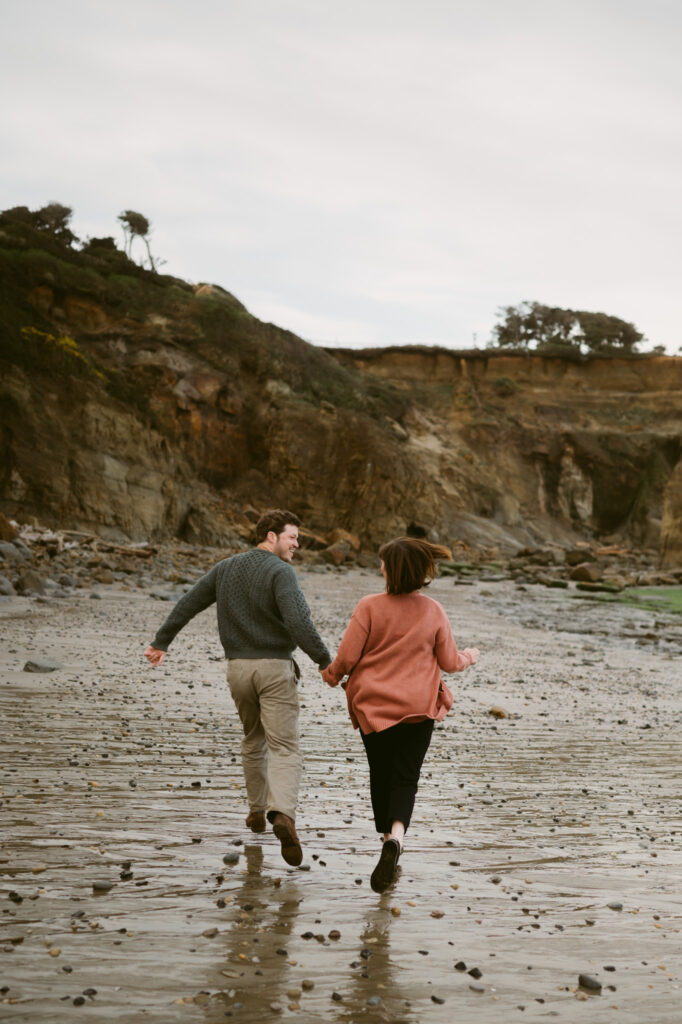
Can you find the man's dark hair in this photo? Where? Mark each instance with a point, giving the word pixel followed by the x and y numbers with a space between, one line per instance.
pixel 410 563
pixel 276 519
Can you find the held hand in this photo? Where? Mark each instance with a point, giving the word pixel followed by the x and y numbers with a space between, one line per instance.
pixel 325 676
pixel 153 655
pixel 474 652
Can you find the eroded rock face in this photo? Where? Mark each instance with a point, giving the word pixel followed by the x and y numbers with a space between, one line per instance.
pixel 153 411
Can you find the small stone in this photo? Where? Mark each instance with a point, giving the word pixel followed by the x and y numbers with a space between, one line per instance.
pixel 101 885
pixel 79 1001
pixel 276 1007
pixel 210 933
pixel 588 983
pixel 55 951
pixel 335 934
pixel 44 665
pixel 337 997
pixel 476 972
pixel 307 985
pixel 437 913
pixel 497 711
pixel 460 966
pixel 231 857
pixel 437 999
pixel 374 1001
pixel 615 905
pixel 396 911
pixel 294 994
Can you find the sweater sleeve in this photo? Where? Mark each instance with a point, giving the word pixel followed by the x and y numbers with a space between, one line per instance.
pixel 448 657
pixel 201 596
pixel 297 619
pixel 352 645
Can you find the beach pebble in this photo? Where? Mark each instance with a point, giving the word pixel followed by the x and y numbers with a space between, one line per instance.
pixel 374 1001
pixel 44 665
pixel 590 984
pixel 231 857
pixel 615 905
pixel 102 885
pixel 497 711
pixel 437 999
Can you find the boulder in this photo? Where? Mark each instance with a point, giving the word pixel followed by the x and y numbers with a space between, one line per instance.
pixel 7 531
pixel 578 556
pixel 337 554
pixel 588 572
pixel 343 535
pixel 6 588
pixel 9 552
pixel 30 582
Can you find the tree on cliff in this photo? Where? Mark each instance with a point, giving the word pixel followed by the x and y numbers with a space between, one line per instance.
pixel 135 225
pixel 532 326
pixel 52 219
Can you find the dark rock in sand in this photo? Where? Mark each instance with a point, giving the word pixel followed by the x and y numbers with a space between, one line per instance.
pixel 588 983
pixel 42 666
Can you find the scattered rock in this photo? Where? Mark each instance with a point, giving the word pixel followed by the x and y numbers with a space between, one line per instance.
pixel 497 711
pixel 588 983
pixel 588 572
pixel 6 588
pixel 30 582
pixel 44 665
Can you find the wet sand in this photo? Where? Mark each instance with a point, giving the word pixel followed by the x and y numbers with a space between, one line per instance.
pixel 526 827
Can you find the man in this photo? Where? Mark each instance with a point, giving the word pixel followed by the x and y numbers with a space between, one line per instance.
pixel 262 617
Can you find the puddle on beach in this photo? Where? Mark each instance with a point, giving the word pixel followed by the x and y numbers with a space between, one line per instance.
pixel 526 828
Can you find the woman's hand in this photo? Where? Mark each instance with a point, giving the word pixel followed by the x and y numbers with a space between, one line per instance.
pixel 473 652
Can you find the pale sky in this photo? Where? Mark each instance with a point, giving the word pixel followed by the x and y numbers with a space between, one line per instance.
pixel 366 172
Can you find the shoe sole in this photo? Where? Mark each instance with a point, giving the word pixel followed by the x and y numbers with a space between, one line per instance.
pixel 291 848
pixel 384 872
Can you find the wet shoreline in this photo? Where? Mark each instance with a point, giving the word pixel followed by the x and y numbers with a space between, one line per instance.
pixel 526 827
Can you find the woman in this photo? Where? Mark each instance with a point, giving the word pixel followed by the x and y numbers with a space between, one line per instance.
pixel 392 652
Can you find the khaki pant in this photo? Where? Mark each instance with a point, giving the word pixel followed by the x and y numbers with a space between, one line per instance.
pixel 265 694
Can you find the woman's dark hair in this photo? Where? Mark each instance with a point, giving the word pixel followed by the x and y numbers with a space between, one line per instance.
pixel 410 563
pixel 276 519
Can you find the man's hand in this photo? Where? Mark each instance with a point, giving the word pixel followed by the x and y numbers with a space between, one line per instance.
pixel 153 655
pixel 326 678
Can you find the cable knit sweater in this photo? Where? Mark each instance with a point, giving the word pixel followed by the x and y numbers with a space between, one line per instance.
pixel 392 651
pixel 262 612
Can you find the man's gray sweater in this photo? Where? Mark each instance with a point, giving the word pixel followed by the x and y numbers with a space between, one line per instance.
pixel 262 612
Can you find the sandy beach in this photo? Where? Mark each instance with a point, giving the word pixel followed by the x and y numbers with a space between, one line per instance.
pixel 546 844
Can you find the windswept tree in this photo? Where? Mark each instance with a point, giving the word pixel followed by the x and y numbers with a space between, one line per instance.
pixel 52 219
pixel 135 225
pixel 531 326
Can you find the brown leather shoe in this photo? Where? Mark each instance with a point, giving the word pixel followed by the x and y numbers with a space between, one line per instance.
pixel 255 820
pixel 285 830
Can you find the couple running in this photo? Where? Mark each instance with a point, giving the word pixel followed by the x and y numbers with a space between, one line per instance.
pixel 392 652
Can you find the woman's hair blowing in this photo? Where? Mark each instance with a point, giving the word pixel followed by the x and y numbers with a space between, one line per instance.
pixel 410 563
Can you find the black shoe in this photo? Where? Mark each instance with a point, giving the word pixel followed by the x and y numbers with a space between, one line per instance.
pixel 384 872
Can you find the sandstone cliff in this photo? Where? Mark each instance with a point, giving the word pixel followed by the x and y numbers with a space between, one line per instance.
pixel 137 406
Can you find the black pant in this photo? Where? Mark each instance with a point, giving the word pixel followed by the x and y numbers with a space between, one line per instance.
pixel 395 758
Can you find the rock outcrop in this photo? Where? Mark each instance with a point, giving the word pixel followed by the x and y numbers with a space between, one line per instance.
pixel 138 407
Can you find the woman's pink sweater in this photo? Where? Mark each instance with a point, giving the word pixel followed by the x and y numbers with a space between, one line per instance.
pixel 392 651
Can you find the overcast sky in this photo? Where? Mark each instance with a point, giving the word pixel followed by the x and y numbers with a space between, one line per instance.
pixel 366 172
